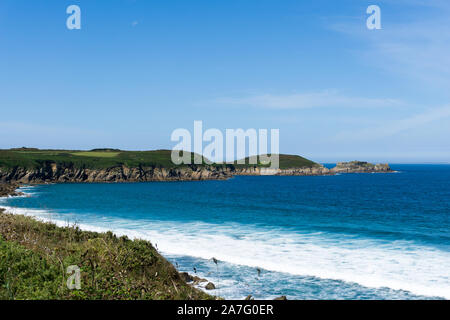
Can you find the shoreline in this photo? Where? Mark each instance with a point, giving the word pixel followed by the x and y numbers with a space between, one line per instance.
pixel 9 189
pixel 199 280
pixel 54 173
pixel 62 223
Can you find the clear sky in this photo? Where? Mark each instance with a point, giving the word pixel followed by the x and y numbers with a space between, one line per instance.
pixel 139 69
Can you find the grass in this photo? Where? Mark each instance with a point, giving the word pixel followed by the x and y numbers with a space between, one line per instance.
pixel 97 154
pixel 292 161
pixel 33 159
pixel 34 257
pixel 285 162
pixel 108 158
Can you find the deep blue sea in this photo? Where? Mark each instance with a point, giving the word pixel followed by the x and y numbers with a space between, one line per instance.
pixel 350 236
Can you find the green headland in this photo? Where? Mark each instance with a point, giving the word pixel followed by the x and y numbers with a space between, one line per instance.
pixel 31 158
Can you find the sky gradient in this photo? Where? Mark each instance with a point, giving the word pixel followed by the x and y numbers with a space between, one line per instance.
pixel 139 69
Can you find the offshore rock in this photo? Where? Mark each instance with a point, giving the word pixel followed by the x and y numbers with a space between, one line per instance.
pixel 210 286
pixel 8 190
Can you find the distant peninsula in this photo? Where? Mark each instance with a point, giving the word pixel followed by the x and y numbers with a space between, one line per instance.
pixel 30 165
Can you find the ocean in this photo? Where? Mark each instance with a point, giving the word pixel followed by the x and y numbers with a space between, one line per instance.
pixel 349 236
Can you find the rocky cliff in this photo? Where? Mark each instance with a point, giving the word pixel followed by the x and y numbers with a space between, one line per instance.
pixel 8 189
pixel 52 172
pixel 317 170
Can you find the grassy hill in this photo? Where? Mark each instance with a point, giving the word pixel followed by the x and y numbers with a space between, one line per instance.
pixel 34 257
pixel 286 162
pixel 32 158
pixel 94 159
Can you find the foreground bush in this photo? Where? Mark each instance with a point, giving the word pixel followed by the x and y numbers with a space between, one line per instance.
pixel 34 257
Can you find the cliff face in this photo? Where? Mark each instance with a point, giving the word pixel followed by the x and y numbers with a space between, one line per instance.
pixel 317 170
pixel 258 171
pixel 51 172
pixel 360 167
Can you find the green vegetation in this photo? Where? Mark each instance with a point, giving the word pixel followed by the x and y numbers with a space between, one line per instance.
pixel 31 158
pixel 96 154
pixel 98 159
pixel 34 257
pixel 291 161
pixel 286 162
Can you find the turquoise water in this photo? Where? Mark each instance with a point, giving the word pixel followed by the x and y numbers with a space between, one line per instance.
pixel 354 236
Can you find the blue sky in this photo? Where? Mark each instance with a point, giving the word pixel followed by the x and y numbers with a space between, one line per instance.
pixel 139 69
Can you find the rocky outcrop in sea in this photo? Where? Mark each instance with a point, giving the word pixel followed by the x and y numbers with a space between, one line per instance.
pixel 8 189
pixel 360 167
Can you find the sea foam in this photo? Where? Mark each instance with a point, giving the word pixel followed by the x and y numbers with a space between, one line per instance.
pixel 398 265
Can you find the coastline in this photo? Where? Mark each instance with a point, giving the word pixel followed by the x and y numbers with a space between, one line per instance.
pixel 58 173
pixel 10 189
pixel 161 240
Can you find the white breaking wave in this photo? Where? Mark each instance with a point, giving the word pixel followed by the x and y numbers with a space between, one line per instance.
pixel 399 265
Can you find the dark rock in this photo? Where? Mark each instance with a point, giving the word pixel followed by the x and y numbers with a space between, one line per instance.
pixel 281 298
pixel 186 277
pixel 8 189
pixel 56 172
pixel 210 286
pixel 249 297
